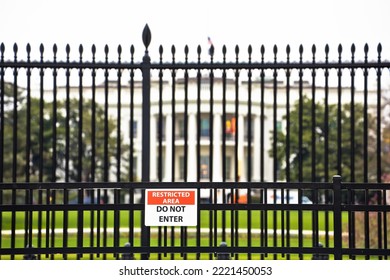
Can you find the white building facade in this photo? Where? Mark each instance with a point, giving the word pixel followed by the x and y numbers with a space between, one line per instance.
pixel 240 150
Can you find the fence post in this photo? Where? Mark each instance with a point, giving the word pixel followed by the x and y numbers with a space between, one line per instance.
pixel 146 38
pixel 337 222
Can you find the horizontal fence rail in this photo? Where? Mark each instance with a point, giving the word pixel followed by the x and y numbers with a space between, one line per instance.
pixel 331 229
pixel 81 140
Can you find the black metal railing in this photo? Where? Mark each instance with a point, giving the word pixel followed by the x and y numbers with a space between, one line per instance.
pixel 72 158
pixel 277 230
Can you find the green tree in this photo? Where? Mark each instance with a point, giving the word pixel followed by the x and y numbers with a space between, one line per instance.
pixel 41 162
pixel 351 167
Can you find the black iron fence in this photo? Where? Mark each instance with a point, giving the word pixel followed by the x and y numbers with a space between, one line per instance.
pixel 258 229
pixel 257 140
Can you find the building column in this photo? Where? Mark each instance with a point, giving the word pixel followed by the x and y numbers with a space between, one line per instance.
pixel 268 160
pixel 153 150
pixel 256 149
pixel 192 164
pixel 217 150
pixel 168 148
pixel 241 160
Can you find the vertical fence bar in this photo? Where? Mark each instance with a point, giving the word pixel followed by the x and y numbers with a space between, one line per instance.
pixel 14 149
pixel 224 141
pixel 237 169
pixel 339 116
pixel 326 142
pixel 146 38
pixel 300 150
pixel 288 139
pixel 274 147
pixel 351 214
pixel 211 146
pixel 131 165
pixel 198 120
pixel 183 230
pixel 249 155
pixel 41 145
pixel 264 213
pixel 67 149
pixel 315 233
pixel 379 145
pixel 2 97
pixel 93 155
pixel 365 117
pixel 28 214
pixel 80 213
pixel 118 153
pixel 365 149
pixel 173 135
pixel 54 152
pixel 106 155
pixel 337 217
pixel 160 119
pixel 379 118
pixel 160 140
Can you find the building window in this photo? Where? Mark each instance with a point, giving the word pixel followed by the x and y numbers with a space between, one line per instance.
pixel 160 167
pixel 228 170
pixel 246 128
pixel 180 132
pixel 134 173
pixel 279 126
pixel 230 127
pixel 162 128
pixel 205 127
pixel 134 128
pixel 181 168
pixel 204 167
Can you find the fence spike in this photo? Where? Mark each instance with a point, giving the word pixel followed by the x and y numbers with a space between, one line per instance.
pixel 199 51
pixel 379 48
pixel 146 36
pixel 250 50
pixel 340 49
pixel 16 48
pixel 366 48
pixel 132 50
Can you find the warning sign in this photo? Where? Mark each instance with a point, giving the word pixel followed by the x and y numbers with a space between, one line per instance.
pixel 171 207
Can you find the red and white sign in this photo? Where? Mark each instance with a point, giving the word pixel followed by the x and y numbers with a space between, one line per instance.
pixel 171 207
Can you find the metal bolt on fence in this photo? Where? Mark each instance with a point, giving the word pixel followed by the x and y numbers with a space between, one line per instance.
pixel 29 256
pixel 320 256
pixel 128 256
pixel 223 256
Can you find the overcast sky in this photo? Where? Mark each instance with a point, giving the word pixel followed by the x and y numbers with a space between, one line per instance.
pixel 190 22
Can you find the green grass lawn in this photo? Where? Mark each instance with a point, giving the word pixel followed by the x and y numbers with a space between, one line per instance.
pixel 207 218
pixel 275 220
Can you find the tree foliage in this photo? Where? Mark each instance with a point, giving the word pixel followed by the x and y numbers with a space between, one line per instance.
pixel 55 151
pixel 327 162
